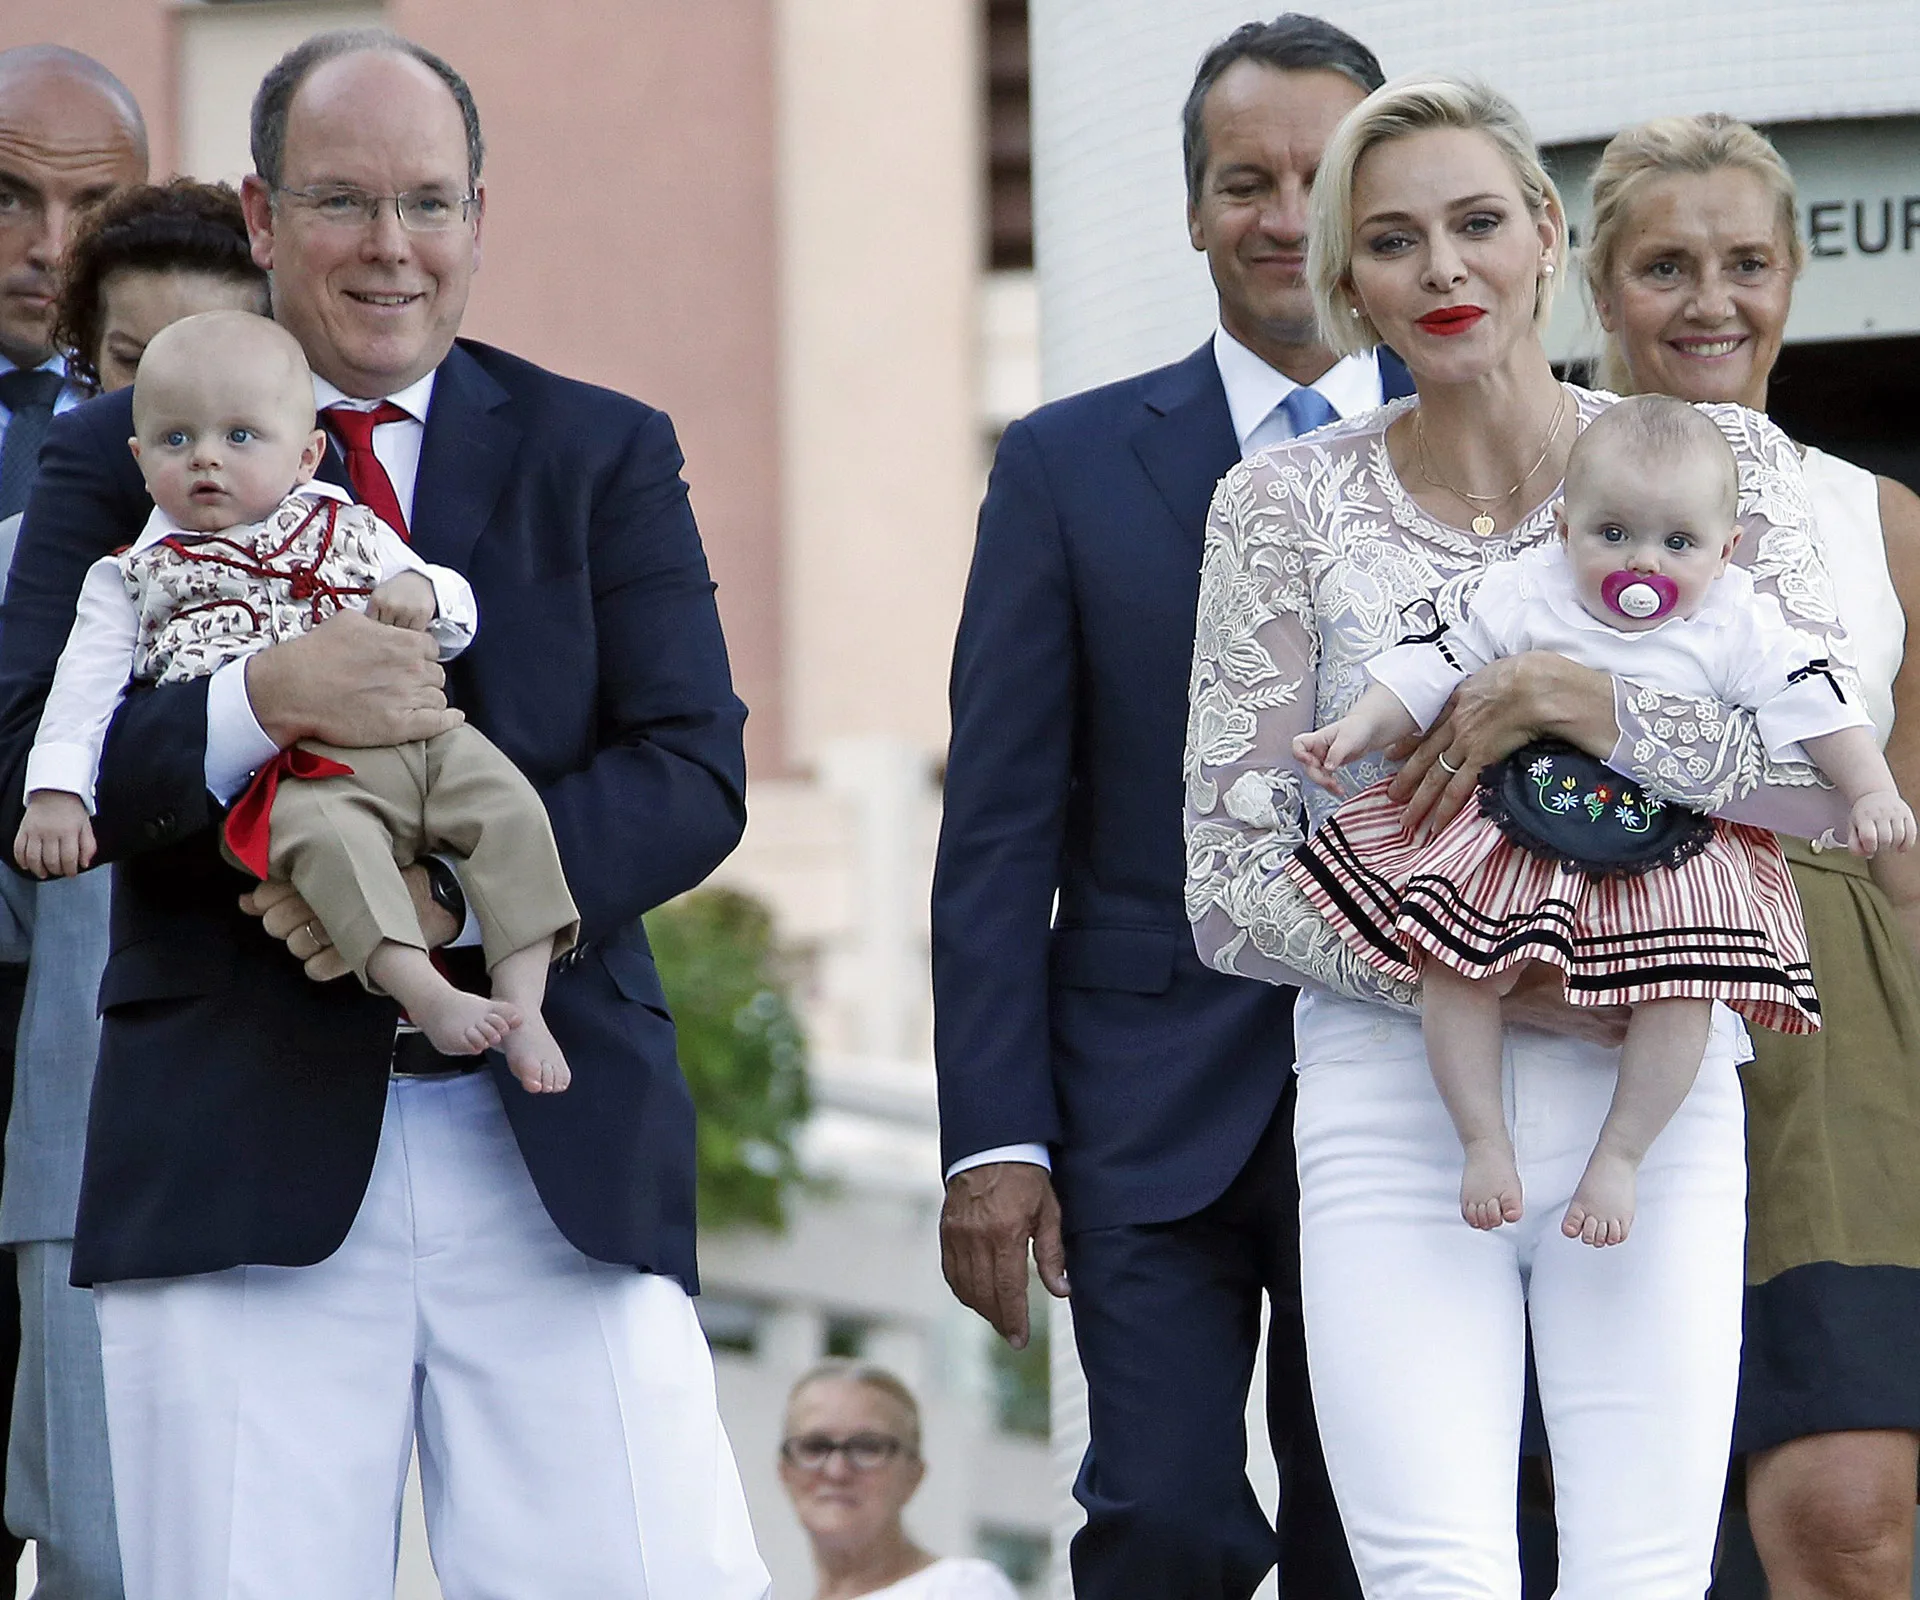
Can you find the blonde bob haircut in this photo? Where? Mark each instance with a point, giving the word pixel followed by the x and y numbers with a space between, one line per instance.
pixel 1697 145
pixel 841 1369
pixel 1415 104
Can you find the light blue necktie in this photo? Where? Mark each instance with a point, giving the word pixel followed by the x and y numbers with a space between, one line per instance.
pixel 1308 409
pixel 1301 412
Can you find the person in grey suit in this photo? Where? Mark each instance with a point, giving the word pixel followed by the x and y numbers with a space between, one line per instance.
pixel 70 135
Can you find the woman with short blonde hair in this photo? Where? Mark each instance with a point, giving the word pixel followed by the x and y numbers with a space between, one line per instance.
pixel 1436 231
pixel 1408 106
pixel 1693 256
pixel 850 1461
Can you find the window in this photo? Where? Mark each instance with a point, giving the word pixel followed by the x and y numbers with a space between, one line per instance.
pixel 732 1326
pixel 1022 1381
pixel 1018 1552
pixel 847 1337
pixel 1009 138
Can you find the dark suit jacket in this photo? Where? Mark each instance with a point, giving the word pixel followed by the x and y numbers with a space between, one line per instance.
pixel 238 1105
pixel 1089 1023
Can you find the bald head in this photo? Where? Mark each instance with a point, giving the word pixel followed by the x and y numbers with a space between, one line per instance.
pixel 70 135
pixel 223 419
pixel 226 352
pixel 70 72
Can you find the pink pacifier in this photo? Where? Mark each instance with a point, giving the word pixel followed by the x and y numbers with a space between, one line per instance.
pixel 1640 595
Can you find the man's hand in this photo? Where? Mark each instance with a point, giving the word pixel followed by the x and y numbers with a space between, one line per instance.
pixel 1538 1000
pixel 351 682
pixel 290 919
pixel 991 1213
pixel 406 600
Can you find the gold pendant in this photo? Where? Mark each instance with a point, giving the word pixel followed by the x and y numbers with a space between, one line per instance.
pixel 1483 525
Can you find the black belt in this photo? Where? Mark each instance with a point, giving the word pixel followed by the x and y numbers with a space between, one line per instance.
pixel 415 1057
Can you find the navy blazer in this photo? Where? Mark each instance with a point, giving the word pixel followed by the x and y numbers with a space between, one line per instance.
pixel 237 1104
pixel 1069 1006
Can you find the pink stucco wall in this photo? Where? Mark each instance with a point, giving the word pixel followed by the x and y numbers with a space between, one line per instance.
pixel 629 241
pixel 132 37
pixel 629 233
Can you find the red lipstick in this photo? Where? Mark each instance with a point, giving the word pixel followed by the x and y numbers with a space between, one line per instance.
pixel 1449 320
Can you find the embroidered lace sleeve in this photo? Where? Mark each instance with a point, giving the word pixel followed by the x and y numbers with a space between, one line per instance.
pixel 1710 756
pixel 1256 657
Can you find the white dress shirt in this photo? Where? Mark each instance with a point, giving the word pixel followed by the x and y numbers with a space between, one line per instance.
pixel 1351 385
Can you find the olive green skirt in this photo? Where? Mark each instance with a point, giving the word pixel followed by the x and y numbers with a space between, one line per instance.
pixel 1833 1160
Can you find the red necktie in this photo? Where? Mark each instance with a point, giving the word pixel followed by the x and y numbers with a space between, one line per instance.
pixel 371 485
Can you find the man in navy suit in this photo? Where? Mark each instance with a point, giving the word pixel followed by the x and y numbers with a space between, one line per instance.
pixel 313 1240
pixel 1083 1050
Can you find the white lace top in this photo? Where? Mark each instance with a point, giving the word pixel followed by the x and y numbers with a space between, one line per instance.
pixel 1317 559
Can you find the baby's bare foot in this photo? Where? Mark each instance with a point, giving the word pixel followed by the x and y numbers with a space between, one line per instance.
pixel 535 1056
pixel 1490 1185
pixel 1601 1212
pixel 462 1024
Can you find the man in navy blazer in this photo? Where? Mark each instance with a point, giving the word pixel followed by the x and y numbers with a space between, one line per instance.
pixel 311 1237
pixel 1075 1029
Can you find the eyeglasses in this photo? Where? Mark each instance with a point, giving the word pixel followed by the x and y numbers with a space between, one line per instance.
pixel 422 211
pixel 865 1452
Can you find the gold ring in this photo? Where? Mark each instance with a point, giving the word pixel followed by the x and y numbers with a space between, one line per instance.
pixel 1451 769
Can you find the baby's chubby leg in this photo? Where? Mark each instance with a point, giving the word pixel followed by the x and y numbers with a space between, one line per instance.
pixel 1659 1061
pixel 532 1052
pixel 1460 1018
pixel 456 1023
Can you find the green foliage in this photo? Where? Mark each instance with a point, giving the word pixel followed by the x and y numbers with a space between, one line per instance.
pixel 741 1048
pixel 1022 1379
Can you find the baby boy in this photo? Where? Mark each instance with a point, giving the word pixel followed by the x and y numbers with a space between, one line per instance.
pixel 244 549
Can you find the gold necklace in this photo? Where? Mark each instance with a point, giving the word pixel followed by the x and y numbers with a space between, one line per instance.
pixel 1483 522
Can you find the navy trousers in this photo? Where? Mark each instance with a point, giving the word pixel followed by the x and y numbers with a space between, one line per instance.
pixel 1167 1320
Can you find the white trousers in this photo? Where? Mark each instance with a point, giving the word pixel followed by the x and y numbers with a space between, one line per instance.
pixel 261 1419
pixel 1416 1323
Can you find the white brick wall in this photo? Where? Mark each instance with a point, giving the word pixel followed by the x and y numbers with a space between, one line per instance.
pixel 1120 289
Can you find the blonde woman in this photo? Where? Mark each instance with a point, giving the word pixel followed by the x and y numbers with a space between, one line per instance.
pixel 850 1462
pixel 1691 264
pixel 1436 231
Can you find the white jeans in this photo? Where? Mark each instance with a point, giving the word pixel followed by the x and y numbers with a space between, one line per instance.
pixel 1416 1323
pixel 261 1419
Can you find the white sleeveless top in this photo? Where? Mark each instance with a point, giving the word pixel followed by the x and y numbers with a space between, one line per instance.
pixel 1846 517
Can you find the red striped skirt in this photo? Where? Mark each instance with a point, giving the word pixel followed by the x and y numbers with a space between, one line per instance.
pixel 1725 925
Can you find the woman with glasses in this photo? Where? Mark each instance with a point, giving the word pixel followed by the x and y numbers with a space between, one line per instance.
pixel 850 1462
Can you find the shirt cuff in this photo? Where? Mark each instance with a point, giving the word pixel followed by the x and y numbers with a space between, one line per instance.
pixel 67 768
pixel 237 746
pixel 1034 1155
pixel 469 934
pixel 456 616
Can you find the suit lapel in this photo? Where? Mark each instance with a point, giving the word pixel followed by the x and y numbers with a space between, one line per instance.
pixel 465 455
pixel 1395 380
pixel 1187 443
pixel 333 465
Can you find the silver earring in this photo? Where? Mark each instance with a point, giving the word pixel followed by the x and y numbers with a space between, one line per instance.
pixel 1354 312
pixel 1546 269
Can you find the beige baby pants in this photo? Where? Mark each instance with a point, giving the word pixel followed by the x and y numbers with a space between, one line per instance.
pixel 342 842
